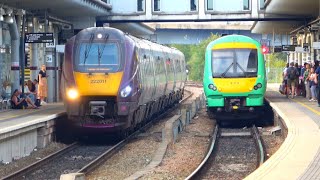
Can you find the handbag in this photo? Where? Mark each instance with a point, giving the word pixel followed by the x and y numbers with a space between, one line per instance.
pixel 37 102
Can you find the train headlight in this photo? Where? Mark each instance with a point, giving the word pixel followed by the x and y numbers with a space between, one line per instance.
pixel 72 94
pixel 211 86
pixel 126 91
pixel 258 86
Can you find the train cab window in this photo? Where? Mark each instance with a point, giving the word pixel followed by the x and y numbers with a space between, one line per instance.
pixel 234 63
pixel 99 55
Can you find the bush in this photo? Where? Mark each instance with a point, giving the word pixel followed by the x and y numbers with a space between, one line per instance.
pixel 195 57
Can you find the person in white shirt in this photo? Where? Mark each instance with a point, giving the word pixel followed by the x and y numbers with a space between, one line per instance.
pixel 28 93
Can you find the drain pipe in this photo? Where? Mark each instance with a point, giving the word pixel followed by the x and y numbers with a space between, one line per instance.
pixel 15 43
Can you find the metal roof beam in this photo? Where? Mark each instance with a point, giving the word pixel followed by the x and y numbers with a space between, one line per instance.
pixel 102 4
pixel 105 20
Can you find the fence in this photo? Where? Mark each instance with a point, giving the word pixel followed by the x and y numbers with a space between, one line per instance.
pixel 274 75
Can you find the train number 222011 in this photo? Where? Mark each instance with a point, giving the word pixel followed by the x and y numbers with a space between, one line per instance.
pixel 94 81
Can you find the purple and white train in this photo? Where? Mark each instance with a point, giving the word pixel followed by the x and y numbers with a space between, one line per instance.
pixel 113 82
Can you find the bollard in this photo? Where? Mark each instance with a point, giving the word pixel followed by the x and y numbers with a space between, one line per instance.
pixel 193 109
pixel 188 116
pixel 184 117
pixel 197 104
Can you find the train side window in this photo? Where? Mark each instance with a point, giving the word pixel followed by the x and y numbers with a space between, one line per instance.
pixel 253 61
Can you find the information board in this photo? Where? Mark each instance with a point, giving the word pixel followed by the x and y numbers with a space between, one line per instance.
pixel 38 38
pixel 288 47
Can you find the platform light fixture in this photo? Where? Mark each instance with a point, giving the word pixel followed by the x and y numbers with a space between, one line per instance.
pixel 8 19
pixel 2 12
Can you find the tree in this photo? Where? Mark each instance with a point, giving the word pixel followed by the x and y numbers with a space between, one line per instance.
pixel 195 57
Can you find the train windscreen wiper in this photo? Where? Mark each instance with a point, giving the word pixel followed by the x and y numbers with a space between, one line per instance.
pixel 88 48
pixel 100 52
pixel 244 72
pixel 226 71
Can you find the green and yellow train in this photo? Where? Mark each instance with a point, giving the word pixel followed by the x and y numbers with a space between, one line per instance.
pixel 234 77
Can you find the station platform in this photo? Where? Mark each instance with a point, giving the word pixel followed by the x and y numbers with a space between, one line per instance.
pixel 21 131
pixel 299 155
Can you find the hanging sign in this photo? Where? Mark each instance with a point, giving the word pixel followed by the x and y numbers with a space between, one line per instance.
pixel 38 38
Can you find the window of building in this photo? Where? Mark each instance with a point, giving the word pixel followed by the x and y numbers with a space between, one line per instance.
pixel 156 5
pixel 261 4
pixel 140 6
pixel 246 4
pixel 193 5
pixel 209 4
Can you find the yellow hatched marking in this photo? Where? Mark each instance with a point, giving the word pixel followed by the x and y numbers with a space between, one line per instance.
pixel 237 45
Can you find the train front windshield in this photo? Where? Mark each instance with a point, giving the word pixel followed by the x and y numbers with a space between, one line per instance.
pixel 98 57
pixel 229 63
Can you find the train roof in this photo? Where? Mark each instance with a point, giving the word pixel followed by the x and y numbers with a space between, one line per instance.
pixel 234 38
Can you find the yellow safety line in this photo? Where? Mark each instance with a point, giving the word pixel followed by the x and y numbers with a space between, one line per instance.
pixel 19 115
pixel 304 105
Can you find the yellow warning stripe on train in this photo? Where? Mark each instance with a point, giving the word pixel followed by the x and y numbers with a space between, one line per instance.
pixel 231 45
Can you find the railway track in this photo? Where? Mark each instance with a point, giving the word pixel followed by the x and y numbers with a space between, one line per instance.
pixel 80 158
pixel 193 84
pixel 233 154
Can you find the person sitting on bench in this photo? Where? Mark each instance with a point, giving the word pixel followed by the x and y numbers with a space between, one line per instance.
pixel 21 103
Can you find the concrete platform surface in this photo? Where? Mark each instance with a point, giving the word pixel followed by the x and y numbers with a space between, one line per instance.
pixel 21 131
pixel 15 119
pixel 298 157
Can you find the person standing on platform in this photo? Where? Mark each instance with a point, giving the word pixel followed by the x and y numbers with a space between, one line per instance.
pixel 43 86
pixel 306 75
pixel 292 75
pixel 318 76
pixel 313 84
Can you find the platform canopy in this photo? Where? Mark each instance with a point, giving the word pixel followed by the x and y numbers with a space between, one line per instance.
pixel 308 9
pixel 63 8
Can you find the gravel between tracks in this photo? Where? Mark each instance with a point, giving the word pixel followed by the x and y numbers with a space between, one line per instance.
pixel 36 155
pixel 184 156
pixel 272 143
pixel 127 161
pixel 180 159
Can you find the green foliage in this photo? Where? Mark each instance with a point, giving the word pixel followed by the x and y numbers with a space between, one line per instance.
pixel 275 63
pixel 195 57
pixel 277 60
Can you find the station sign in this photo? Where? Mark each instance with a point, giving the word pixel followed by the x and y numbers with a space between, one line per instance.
pixel 277 49
pixel 288 48
pixel 316 45
pixel 50 45
pixel 302 49
pixel 38 38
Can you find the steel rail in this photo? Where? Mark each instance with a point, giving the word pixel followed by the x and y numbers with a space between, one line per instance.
pixel 99 160
pixel 187 97
pixel 35 165
pixel 209 153
pixel 254 134
pixel 110 152
pixel 259 145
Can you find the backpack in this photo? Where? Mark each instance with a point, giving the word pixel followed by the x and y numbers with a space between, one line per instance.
pixel 292 75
